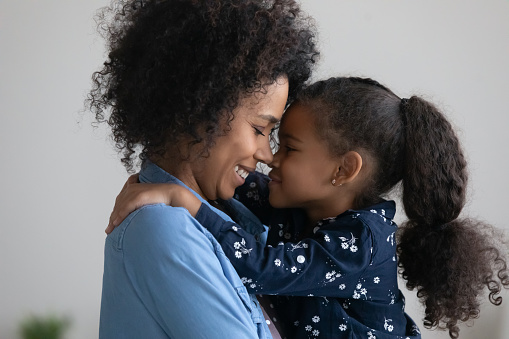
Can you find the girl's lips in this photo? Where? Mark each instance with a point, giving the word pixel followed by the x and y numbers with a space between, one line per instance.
pixel 274 178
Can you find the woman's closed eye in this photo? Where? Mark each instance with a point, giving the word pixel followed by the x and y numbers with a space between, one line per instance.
pixel 259 130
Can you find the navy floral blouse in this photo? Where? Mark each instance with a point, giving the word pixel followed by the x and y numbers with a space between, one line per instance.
pixel 338 282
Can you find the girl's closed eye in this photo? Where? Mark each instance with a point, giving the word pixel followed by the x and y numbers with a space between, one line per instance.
pixel 289 149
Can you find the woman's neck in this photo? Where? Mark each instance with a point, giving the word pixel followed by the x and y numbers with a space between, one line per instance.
pixel 181 170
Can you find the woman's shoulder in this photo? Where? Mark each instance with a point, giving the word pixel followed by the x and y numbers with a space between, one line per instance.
pixel 155 224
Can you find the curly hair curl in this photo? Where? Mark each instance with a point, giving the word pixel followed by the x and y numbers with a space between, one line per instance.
pixel 408 143
pixel 178 68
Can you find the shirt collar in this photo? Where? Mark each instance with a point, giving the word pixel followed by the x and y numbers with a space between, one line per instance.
pixel 151 173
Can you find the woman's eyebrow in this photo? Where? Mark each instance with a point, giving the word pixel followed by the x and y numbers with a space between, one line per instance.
pixel 270 118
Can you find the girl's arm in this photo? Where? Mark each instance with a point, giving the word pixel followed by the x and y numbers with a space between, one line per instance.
pixel 135 195
pixel 254 194
pixel 328 264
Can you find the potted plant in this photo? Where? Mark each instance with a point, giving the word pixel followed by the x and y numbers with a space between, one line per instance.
pixel 44 327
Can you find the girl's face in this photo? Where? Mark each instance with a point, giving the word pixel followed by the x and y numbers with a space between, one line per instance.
pixel 236 154
pixel 302 169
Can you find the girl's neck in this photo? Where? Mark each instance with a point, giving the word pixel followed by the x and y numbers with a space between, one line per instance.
pixel 314 215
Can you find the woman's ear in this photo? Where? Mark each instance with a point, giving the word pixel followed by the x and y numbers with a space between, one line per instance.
pixel 349 167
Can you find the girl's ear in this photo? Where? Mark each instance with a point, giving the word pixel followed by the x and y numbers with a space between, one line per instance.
pixel 349 167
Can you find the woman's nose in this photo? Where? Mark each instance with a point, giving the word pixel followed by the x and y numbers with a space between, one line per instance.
pixel 264 153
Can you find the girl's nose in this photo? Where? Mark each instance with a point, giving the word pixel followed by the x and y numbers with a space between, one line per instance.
pixel 275 160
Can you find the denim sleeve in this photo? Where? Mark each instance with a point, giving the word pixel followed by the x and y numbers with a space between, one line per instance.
pixel 173 268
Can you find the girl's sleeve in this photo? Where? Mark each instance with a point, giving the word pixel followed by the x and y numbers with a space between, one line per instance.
pixel 254 194
pixel 328 264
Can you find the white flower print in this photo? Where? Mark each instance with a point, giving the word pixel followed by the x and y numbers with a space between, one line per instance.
pixel 387 326
pixel 287 236
pixel 298 245
pixel 252 285
pixel 342 286
pixel 359 290
pixel 331 276
pixel 244 280
pixel 301 259
pixel 373 211
pixel 277 262
pixel 353 248
pixel 393 298
pixel 342 327
pixel 316 333
pixel 390 238
pixel 371 335
pixel 235 228
pixel 252 185
pixel 346 243
pixel 249 194
pixel 308 328
pixel 294 269
pixel 376 280
pixel 281 233
pixel 326 238
pixel 296 323
pixel 241 247
pixel 316 319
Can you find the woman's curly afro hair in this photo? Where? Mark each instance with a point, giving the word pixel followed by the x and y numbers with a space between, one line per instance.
pixel 177 68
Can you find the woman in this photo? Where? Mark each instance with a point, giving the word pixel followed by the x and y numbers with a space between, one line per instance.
pixel 195 87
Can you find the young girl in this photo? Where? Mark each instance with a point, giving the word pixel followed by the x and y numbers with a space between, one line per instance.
pixel 331 253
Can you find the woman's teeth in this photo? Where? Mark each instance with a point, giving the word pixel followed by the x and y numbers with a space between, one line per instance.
pixel 241 172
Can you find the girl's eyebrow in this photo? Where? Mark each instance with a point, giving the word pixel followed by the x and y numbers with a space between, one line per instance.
pixel 287 135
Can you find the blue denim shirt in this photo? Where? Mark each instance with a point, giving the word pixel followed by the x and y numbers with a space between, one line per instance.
pixel 165 276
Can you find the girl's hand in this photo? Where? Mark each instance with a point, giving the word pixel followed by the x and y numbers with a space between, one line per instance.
pixel 135 195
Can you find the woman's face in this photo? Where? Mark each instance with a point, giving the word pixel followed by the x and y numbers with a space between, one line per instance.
pixel 236 154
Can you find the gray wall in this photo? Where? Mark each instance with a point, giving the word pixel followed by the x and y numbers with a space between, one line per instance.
pixel 60 176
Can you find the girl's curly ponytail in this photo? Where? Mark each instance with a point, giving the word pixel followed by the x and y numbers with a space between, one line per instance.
pixel 448 260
